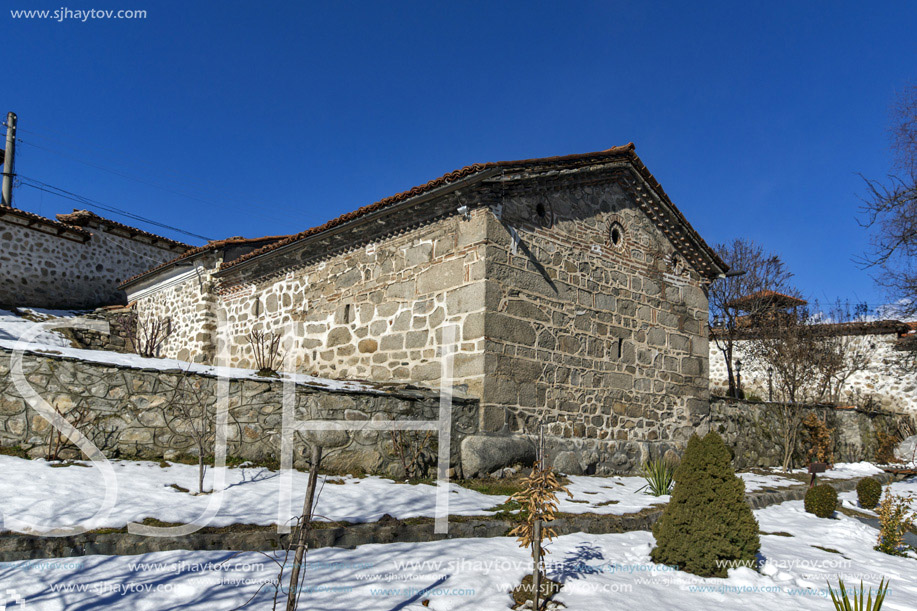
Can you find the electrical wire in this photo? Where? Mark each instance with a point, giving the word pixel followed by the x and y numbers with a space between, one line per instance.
pixel 47 188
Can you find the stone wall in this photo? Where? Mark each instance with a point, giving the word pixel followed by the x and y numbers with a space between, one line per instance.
pixel 753 429
pixel 376 311
pixel 46 265
pixel 122 324
pixel 128 414
pixel 594 324
pixel 187 304
pixel 129 417
pixel 883 383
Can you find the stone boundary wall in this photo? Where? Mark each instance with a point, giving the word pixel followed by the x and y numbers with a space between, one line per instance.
pixel 752 430
pixel 128 415
pixel 883 382
pixel 47 270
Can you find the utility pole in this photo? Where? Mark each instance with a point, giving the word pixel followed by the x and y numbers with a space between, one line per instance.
pixel 8 159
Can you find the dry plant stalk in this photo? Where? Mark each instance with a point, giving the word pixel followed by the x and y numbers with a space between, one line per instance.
pixel 538 498
pixel 149 334
pixel 265 351
pixel 410 446
pixel 56 441
pixel 818 436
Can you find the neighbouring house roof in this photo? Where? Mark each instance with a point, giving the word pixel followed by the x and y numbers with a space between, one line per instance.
pixel 30 219
pixel 770 298
pixel 85 218
pixel 211 246
pixel 872 327
pixel 908 339
pixel 624 153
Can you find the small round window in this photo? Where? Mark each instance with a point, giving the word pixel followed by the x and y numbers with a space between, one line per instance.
pixel 616 235
pixel 544 214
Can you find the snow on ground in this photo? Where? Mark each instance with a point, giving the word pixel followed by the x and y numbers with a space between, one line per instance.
pixel 756 482
pixel 599 572
pixel 50 496
pixel 848 470
pixel 12 326
pixel 607 495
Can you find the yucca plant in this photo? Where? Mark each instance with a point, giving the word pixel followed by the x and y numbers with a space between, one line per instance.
pixel 842 602
pixel 659 475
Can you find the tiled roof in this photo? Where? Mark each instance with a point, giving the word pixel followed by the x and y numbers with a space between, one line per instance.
pixel 838 329
pixel 82 218
pixel 625 152
pixel 209 246
pixel 774 296
pixel 33 218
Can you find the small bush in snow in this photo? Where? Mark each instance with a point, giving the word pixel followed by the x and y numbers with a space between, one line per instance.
pixel 895 519
pixel 821 500
pixel 869 491
pixel 707 525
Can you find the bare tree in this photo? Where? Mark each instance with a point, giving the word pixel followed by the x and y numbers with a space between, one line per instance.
pixel 841 352
pixel 787 345
pixel 753 271
pixel 890 209
pixel 187 414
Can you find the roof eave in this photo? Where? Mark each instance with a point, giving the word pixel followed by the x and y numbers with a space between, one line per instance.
pixel 361 220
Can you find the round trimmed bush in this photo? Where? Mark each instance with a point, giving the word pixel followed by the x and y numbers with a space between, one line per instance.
pixel 869 491
pixel 821 500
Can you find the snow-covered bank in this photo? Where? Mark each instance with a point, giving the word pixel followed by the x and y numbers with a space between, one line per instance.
pixel 599 572
pixel 49 496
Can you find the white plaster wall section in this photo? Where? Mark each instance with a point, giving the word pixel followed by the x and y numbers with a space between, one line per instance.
pixel 882 380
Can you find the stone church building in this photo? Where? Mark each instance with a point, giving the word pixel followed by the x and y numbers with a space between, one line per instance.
pixel 576 287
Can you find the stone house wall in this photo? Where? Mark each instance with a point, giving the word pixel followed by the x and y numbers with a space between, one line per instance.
pixel 376 311
pixel 600 340
pixel 185 301
pixel 883 383
pixel 128 414
pixel 574 306
pixel 46 264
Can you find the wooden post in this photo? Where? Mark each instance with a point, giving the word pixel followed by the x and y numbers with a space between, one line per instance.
pixel 536 576
pixel 304 525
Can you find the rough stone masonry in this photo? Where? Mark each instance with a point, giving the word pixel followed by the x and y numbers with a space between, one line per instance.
pixel 575 287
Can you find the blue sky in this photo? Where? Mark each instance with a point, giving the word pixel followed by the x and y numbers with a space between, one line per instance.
pixel 755 116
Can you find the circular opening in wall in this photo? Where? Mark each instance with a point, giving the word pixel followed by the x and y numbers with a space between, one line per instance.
pixel 617 234
pixel 540 210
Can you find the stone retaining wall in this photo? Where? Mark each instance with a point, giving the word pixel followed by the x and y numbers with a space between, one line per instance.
pixel 129 414
pixel 752 430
